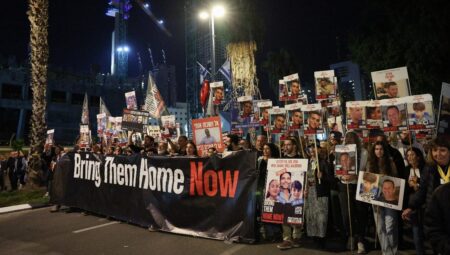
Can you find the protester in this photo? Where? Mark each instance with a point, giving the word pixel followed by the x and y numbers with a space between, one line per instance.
pixel 162 148
pixel 191 149
pixel 386 219
pixel 317 192
pixel 291 233
pixel 268 231
pixel 261 140
pixel 437 223
pixel 349 206
pixel 414 170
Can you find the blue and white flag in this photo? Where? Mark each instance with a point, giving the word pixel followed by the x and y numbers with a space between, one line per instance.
pixel 225 70
pixel 203 72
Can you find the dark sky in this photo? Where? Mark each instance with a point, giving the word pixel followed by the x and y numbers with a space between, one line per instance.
pixel 80 33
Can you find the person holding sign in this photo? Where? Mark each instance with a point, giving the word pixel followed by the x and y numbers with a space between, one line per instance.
pixel 386 219
pixel 316 196
pixel 351 209
pixel 436 173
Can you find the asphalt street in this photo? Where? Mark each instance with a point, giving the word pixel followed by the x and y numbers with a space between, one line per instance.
pixel 40 232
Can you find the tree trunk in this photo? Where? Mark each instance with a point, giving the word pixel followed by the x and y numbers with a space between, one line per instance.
pixel 38 17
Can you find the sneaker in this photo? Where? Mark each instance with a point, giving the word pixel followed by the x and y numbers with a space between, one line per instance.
pixel 361 248
pixel 46 194
pixel 55 208
pixel 285 245
pixel 296 243
pixel 152 229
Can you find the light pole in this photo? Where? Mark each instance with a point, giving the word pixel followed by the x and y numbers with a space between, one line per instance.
pixel 216 11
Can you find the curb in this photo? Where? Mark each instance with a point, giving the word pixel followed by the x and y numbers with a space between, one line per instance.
pixel 22 207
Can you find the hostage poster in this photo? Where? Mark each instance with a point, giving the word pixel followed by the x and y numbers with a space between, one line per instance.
pixel 283 193
pixel 207 133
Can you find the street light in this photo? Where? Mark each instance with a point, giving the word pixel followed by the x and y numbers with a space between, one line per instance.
pixel 216 11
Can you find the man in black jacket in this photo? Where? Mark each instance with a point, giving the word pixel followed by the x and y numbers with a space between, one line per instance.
pixel 437 222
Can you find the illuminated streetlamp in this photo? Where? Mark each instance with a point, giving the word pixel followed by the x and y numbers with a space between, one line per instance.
pixel 216 11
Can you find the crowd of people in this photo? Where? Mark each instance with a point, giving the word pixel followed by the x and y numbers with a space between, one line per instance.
pixel 330 206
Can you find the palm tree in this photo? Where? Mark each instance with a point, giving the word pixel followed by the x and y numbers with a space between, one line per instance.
pixel 38 17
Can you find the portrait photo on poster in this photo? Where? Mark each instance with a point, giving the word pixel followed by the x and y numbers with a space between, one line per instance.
pixel 374 116
pixel 356 114
pixel 283 193
pixel 293 85
pixel 277 118
pixel 382 190
pixel 312 119
pixel 295 116
pixel 391 83
pixel 326 84
pixel 394 114
pixel 420 112
pixel 346 163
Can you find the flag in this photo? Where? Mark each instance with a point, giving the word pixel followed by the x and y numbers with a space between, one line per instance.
pixel 103 108
pixel 225 70
pixel 203 72
pixel 154 102
pixel 210 111
pixel 85 111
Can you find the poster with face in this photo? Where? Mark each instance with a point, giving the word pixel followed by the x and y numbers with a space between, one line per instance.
pixel 391 83
pixel 217 92
pixel 394 114
pixel 130 98
pixel 283 93
pixel 263 111
pixel 134 120
pixel 382 190
pixel 283 193
pixel 85 136
pixel 356 115
pixel 374 116
pixel 346 163
pixel 50 137
pixel 101 123
pixel 245 108
pixel 154 131
pixel 326 84
pixel 443 127
pixel 295 116
pixel 312 119
pixel 207 133
pixel 277 118
pixel 420 112
pixel 168 128
pixel 293 84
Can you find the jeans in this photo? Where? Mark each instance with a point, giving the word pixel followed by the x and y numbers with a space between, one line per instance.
pixel 386 222
pixel 417 229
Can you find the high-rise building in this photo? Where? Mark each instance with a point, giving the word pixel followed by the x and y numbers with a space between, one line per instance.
pixel 198 49
pixel 165 79
pixel 353 83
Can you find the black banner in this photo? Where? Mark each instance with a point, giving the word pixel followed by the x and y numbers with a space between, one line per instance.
pixel 206 197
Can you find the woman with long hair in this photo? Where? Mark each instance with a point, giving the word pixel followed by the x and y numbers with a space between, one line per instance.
pixel 386 220
pixel 317 192
pixel 267 231
pixel 414 170
pixel 191 149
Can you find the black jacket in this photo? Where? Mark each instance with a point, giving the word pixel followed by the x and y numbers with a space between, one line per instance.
pixel 429 181
pixel 437 221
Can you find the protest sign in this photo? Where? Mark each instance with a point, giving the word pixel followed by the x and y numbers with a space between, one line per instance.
pixel 134 120
pixel 394 114
pixel 50 137
pixel 374 118
pixel 101 123
pixel 391 83
pixel 169 127
pixel 382 190
pixel 346 160
pixel 85 136
pixel 207 133
pixel 420 112
pixel 326 84
pixel 312 119
pixel 295 116
pixel 356 115
pixel 293 85
pixel 283 196
pixel 130 98
pixel 443 127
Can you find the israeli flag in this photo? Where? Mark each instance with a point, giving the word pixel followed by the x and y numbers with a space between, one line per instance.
pixel 203 72
pixel 225 70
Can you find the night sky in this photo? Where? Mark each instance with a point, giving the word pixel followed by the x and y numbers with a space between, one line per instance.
pixel 80 33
